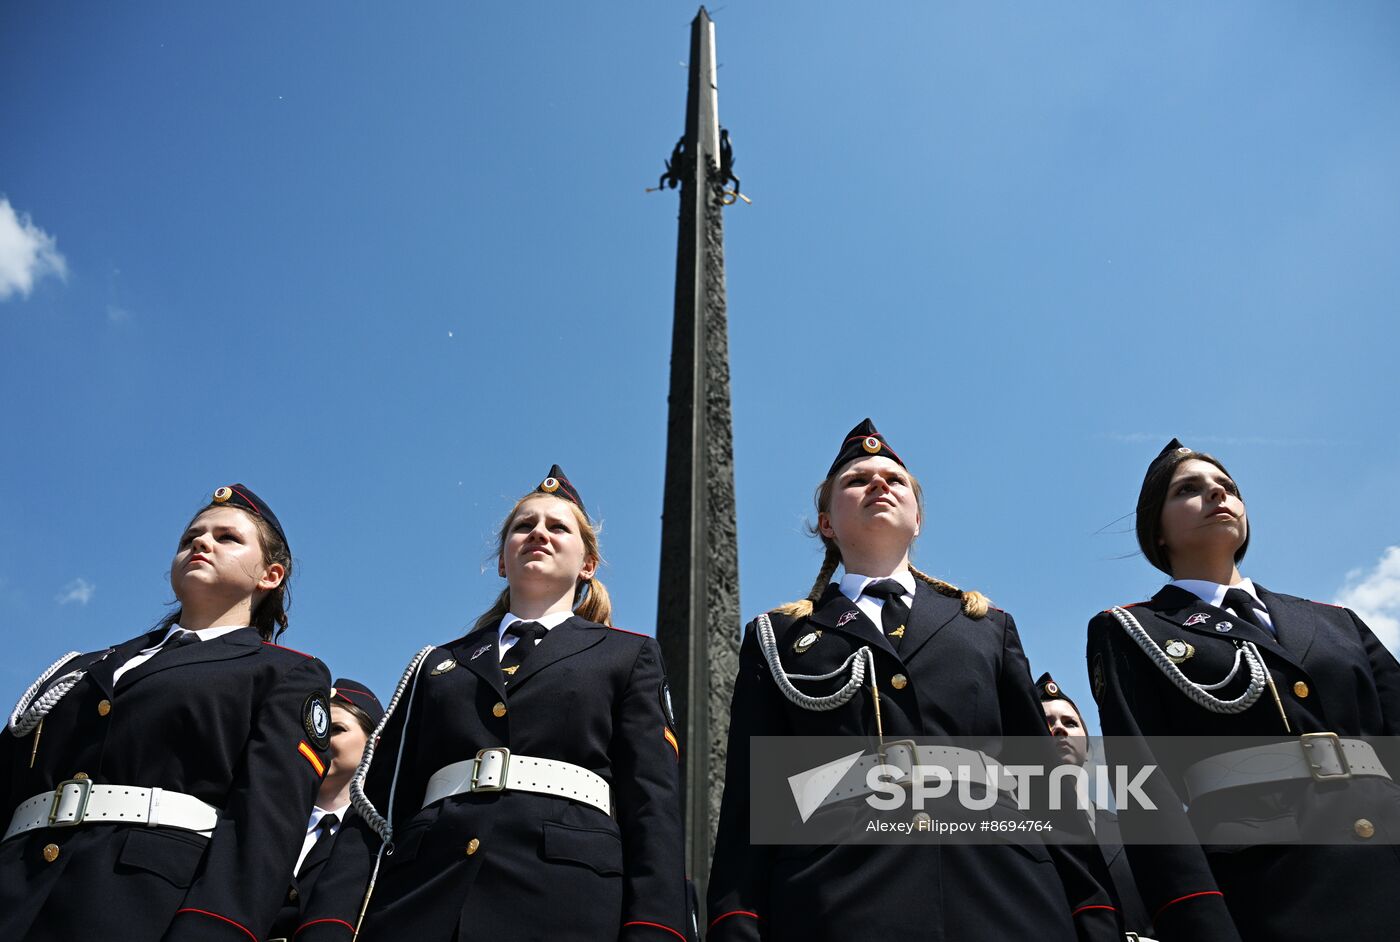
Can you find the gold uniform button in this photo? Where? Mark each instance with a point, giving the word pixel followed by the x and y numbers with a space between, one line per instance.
pixel 499 709
pixel 1300 690
pixel 50 853
pixel 1364 829
pixel 104 707
pixel 292 895
pixel 473 846
pixel 899 681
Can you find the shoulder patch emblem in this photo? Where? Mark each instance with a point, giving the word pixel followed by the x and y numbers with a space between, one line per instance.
pixel 1098 677
pixel 445 666
pixel 316 718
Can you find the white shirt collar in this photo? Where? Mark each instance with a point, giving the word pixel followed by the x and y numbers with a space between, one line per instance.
pixel 204 634
pixel 1213 593
pixel 317 813
pixel 853 584
pixel 550 621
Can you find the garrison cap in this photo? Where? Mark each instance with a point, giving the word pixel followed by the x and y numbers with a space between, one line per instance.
pixel 357 694
pixel 560 486
pixel 1154 493
pixel 241 495
pixel 863 441
pixel 1049 690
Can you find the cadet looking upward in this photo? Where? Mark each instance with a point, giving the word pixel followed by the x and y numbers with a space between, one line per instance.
pixel 1066 724
pixel 1299 853
pixel 158 789
pixel 527 771
pixel 946 665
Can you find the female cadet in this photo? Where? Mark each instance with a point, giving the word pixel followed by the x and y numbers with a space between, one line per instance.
pixel 355 712
pixel 1293 850
pixel 945 664
pixel 527 771
pixel 158 789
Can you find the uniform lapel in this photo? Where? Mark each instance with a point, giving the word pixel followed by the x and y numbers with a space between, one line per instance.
pixel 930 613
pixel 1188 612
pixel 1293 622
pixel 561 641
pixel 238 643
pixel 480 651
pixel 838 613
pixel 101 671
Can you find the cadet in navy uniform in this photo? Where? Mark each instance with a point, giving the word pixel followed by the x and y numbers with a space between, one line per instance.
pixel 946 665
pixel 1066 724
pixel 528 771
pixel 1298 853
pixel 355 712
pixel 158 789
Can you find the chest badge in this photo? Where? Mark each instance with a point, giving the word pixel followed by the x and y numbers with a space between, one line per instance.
pixel 1200 618
pixel 481 650
pixel 846 617
pixel 1224 626
pixel 445 666
pixel 801 645
pixel 1178 651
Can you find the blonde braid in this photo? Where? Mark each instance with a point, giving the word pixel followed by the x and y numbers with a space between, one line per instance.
pixel 803 607
pixel 974 603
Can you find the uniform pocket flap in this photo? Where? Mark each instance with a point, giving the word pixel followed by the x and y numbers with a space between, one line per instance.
pixel 174 857
pixel 600 851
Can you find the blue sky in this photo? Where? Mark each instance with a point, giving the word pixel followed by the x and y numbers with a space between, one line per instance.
pixel 386 265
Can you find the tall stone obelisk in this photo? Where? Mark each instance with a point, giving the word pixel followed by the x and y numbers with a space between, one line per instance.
pixel 698 605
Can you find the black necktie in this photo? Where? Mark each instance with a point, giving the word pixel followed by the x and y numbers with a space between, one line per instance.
pixel 1243 604
pixel 894 614
pixel 323 837
pixel 179 640
pixel 526 634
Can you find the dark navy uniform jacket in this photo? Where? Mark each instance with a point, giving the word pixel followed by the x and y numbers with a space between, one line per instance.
pixel 1332 675
pixel 292 914
pixel 517 865
pixel 223 720
pixel 965 677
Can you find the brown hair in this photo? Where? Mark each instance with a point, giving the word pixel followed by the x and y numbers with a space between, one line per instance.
pixel 269 615
pixel 591 601
pixel 1153 498
pixel 974 603
pixel 360 716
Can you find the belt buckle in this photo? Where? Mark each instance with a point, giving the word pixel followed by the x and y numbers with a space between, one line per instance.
pixel 499 775
pixel 84 786
pixel 1309 741
pixel 906 756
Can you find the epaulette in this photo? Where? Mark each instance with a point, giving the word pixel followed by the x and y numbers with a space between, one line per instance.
pixel 283 647
pixel 1326 604
pixel 629 632
pixel 1129 605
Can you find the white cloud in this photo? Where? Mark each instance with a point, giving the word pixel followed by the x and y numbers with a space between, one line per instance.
pixel 1375 596
pixel 117 315
pixel 27 253
pixel 79 590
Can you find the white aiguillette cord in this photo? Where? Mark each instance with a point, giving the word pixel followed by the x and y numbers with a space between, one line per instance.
pixel 363 806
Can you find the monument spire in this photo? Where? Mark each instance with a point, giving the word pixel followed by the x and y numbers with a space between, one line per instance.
pixel 698 618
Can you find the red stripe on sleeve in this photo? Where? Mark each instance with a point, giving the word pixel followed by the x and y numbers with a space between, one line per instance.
pixel 1112 909
pixel 202 912
pixel 738 912
pixel 1182 899
pixel 655 925
pixel 315 922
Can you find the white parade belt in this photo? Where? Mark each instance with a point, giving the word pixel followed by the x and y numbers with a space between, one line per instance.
pixel 498 770
pixel 1323 757
pixel 79 801
pixel 963 765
